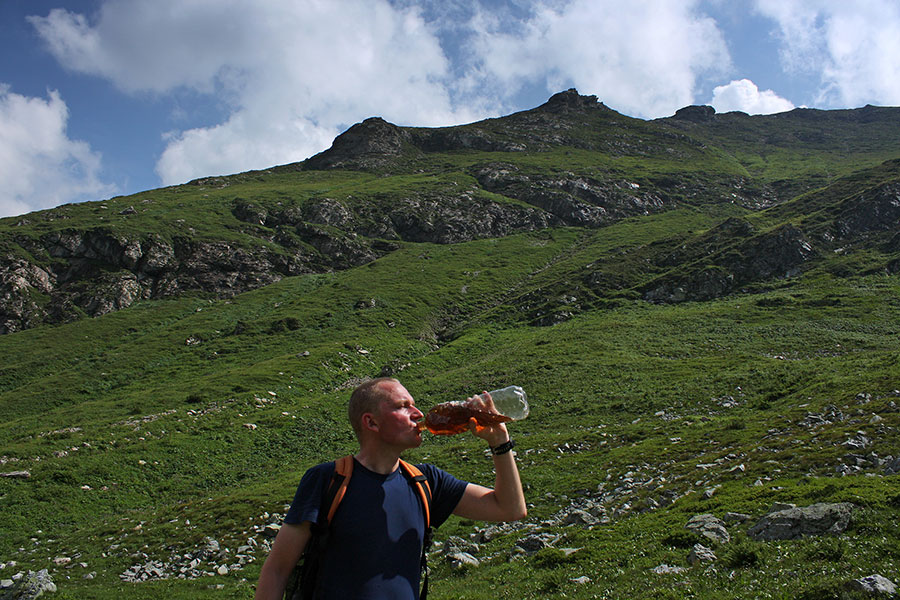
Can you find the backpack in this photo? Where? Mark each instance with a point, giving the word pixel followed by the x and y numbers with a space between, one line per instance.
pixel 302 582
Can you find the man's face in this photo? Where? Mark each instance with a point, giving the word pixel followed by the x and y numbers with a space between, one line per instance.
pixel 398 417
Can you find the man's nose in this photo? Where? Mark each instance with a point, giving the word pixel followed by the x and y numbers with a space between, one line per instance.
pixel 417 414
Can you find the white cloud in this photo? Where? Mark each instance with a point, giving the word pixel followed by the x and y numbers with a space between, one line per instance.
pixel 641 57
pixel 744 95
pixel 292 74
pixel 854 47
pixel 40 166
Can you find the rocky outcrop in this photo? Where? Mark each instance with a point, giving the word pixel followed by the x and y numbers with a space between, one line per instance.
pixel 19 308
pixel 367 145
pixel 875 211
pixel 95 272
pixel 570 200
pixel 780 253
pixel 29 587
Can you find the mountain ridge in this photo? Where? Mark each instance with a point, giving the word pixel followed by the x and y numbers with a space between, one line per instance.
pixel 570 162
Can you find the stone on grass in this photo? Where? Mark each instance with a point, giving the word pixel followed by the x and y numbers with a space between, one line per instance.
pixel 874 585
pixel 793 523
pixel 710 527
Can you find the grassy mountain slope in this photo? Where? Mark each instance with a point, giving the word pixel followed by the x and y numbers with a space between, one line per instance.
pixel 185 416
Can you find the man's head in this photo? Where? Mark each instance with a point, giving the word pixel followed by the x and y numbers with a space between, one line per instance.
pixel 385 408
pixel 366 398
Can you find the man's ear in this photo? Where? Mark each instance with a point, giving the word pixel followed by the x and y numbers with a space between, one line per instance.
pixel 369 422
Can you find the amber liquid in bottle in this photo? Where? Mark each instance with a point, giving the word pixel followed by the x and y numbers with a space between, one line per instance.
pixel 450 418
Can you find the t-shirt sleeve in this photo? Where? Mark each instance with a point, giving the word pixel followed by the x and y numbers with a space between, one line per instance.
pixel 308 498
pixel 446 492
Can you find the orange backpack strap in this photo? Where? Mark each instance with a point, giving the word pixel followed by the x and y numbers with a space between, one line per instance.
pixel 302 581
pixel 415 476
pixel 413 473
pixel 343 469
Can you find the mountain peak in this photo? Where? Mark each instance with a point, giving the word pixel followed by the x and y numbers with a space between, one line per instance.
pixel 569 100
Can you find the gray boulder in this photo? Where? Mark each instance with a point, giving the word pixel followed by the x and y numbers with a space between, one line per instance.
pixel 699 554
pixel 892 467
pixel 535 541
pixel 462 560
pixel 874 585
pixel 710 527
pixel 793 523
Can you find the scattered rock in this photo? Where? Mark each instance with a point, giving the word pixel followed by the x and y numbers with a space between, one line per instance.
pixel 16 475
pixel 668 570
pixel 456 544
pixel 829 416
pixel 700 553
pixel 462 560
pixel 858 442
pixel 580 517
pixel 536 541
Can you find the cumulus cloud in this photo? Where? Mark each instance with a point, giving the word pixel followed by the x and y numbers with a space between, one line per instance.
pixel 643 57
pixel 40 166
pixel 291 74
pixel 745 96
pixel 854 47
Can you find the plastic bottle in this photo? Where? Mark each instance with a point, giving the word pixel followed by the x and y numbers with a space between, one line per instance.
pixel 453 417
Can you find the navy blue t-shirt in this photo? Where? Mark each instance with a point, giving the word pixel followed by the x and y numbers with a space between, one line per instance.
pixel 375 544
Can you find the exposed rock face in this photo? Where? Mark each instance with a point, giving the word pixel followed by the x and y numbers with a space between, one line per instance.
pixel 569 100
pixel 878 210
pixel 95 272
pixel 792 523
pixel 780 253
pixel 570 200
pixel 18 309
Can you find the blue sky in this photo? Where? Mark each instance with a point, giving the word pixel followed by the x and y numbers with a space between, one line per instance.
pixel 107 97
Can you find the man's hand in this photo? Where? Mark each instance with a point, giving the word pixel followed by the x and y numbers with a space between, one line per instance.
pixel 494 435
pixel 506 501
